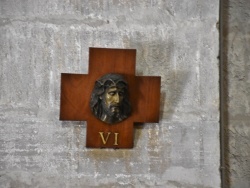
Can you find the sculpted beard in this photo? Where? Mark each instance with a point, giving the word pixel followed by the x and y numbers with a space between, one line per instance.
pixel 112 110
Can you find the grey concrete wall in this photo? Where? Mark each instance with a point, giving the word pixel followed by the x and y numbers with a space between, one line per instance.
pixel 177 40
pixel 236 59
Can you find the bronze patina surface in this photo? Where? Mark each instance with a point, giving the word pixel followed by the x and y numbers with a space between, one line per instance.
pixel 109 99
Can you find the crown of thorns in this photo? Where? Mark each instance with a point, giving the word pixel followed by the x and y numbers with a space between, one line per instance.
pixel 114 80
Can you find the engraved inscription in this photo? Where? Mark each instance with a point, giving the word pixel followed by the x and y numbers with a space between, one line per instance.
pixel 116 139
pixel 104 140
pixel 105 137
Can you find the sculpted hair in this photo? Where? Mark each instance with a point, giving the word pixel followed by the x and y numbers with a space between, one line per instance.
pixel 105 82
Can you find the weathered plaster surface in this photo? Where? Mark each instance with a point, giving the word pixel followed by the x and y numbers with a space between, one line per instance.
pixel 177 40
pixel 236 49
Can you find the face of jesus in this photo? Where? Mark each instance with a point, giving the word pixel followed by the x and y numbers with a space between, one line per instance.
pixel 112 100
pixel 109 99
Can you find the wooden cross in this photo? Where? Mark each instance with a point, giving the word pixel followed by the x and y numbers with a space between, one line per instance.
pixel 144 95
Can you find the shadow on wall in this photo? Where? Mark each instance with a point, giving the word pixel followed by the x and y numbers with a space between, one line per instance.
pixel 175 92
pixel 224 129
pixel 156 58
pixel 169 99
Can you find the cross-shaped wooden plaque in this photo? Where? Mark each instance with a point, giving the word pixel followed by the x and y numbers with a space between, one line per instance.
pixel 144 96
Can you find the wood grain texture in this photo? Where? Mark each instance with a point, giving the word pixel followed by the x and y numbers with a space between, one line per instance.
pixel 144 95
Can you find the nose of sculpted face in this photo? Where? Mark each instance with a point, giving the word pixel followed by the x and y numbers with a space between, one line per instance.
pixel 113 97
pixel 117 98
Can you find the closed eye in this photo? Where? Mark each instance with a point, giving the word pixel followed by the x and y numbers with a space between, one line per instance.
pixel 121 93
pixel 112 93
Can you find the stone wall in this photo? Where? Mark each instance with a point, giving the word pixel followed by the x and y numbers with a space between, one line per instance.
pixel 177 40
pixel 236 65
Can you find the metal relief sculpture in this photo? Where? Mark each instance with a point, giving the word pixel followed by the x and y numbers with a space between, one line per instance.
pixel 109 99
